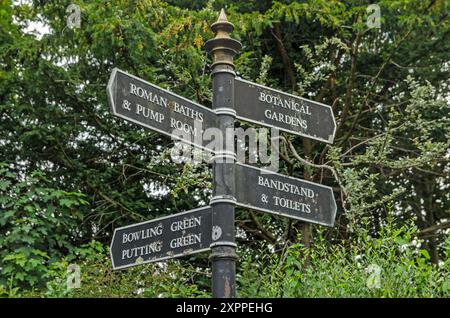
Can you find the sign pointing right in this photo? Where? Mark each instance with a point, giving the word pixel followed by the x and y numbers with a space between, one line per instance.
pixel 275 193
pixel 269 107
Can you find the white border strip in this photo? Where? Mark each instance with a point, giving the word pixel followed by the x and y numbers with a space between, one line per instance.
pixel 223 155
pixel 225 111
pixel 221 70
pixel 219 199
pixel 223 243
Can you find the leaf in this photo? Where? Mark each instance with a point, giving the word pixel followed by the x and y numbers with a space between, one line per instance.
pixel 67 202
pixel 425 253
pixel 4 184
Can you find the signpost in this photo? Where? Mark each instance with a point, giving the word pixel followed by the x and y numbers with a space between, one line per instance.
pixel 163 238
pixel 275 193
pixel 272 108
pixel 212 227
pixel 223 250
pixel 153 107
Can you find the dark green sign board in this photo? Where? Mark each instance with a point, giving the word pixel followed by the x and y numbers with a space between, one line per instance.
pixel 153 107
pixel 272 108
pixel 274 193
pixel 160 239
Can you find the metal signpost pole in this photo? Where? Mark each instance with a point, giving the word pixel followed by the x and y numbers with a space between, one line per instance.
pixel 223 247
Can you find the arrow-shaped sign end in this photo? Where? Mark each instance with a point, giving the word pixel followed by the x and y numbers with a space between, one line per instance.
pixel 110 89
pixel 110 249
pixel 331 137
pixel 333 209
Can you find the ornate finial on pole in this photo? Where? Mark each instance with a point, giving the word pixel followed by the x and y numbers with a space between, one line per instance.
pixel 222 16
pixel 222 47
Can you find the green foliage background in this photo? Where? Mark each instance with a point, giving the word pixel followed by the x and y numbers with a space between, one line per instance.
pixel 70 172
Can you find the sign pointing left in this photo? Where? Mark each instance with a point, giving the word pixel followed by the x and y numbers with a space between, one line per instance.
pixel 153 107
pixel 164 238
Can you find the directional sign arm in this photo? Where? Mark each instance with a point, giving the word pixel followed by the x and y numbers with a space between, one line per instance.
pixel 164 238
pixel 272 108
pixel 274 193
pixel 158 109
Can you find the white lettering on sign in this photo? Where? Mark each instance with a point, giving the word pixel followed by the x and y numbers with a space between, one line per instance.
pixel 290 103
pixel 148 95
pixel 187 240
pixel 287 119
pixel 149 113
pixel 186 223
pixel 285 187
pixel 188 112
pixel 296 106
pixel 154 247
pixel 143 234
pixel 292 204
pixel 178 124
pixel 156 99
